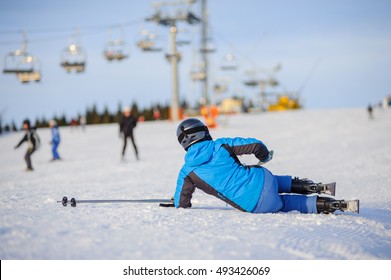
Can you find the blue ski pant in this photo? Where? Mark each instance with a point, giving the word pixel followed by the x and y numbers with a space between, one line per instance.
pixel 54 151
pixel 276 196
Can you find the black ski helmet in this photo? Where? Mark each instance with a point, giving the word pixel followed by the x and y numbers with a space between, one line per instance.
pixel 191 131
pixel 27 122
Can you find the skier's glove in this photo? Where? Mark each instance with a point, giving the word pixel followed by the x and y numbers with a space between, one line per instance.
pixel 269 158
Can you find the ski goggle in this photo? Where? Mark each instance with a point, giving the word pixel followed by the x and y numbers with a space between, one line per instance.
pixel 187 132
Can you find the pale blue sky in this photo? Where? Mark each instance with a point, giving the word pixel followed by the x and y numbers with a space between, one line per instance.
pixel 346 45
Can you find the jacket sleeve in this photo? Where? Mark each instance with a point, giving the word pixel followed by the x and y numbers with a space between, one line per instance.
pixel 184 191
pixel 134 122
pixel 121 125
pixel 24 139
pixel 247 146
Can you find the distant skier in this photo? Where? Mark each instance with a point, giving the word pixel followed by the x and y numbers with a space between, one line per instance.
pixel 126 125
pixel 32 138
pixel 56 139
pixel 370 111
pixel 83 123
pixel 213 167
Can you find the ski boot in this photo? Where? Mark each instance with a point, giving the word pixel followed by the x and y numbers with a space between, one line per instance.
pixel 329 205
pixel 305 186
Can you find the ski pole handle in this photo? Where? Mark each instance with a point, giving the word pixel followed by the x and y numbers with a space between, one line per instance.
pixel 166 205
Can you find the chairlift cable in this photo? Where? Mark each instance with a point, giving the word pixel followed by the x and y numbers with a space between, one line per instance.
pixel 236 50
pixel 309 76
pixel 85 31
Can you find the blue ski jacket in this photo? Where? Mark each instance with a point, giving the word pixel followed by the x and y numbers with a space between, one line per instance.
pixel 55 135
pixel 213 167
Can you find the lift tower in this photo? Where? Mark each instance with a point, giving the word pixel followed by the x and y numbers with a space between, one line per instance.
pixel 204 51
pixel 173 55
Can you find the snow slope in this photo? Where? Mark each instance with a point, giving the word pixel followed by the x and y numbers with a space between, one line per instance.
pixel 324 145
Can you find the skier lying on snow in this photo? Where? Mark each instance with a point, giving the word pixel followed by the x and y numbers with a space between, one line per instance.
pixel 213 167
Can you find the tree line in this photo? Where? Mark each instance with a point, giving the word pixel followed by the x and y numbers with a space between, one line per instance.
pixel 94 116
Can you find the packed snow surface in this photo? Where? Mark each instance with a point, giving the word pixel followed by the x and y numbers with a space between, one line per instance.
pixel 341 145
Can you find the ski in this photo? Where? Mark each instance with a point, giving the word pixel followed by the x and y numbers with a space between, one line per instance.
pixel 328 188
pixel 351 206
pixel 347 205
pixel 73 202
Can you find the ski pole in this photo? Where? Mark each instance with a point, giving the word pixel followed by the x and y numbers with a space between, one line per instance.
pixel 73 201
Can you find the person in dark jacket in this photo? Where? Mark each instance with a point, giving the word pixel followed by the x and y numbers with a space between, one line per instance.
pixel 55 139
pixel 32 138
pixel 370 111
pixel 213 166
pixel 126 125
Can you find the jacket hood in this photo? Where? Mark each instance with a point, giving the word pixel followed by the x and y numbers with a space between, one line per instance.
pixel 199 153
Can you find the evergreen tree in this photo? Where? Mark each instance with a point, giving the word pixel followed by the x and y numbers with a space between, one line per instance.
pixel 134 108
pixel 118 115
pixel 92 115
pixel 14 128
pixel 44 122
pixel 62 121
pixel 106 117
pixel 165 112
pixel 148 114
pixel 37 123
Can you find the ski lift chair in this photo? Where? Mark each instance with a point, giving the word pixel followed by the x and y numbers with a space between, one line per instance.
pixel 29 70
pixel 209 47
pixel 78 67
pixel 229 63
pixel 251 83
pixel 13 62
pixel 73 59
pixel 147 43
pixel 219 88
pixel 148 46
pixel 22 64
pixel 198 76
pixel 115 51
pixel 197 72
pixel 28 77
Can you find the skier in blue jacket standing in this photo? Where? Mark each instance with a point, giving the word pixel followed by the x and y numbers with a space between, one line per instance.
pixel 55 139
pixel 213 166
